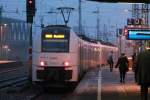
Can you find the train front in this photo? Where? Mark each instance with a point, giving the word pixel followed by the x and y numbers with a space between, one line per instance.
pixel 52 63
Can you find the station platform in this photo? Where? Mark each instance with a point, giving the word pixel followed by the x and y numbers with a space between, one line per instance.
pixel 105 85
pixel 112 89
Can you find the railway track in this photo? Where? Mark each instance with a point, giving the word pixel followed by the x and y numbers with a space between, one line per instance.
pixel 14 84
pixel 13 77
pixel 53 94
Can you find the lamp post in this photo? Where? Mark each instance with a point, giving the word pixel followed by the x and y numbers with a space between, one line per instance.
pixel 0 41
pixel 98 23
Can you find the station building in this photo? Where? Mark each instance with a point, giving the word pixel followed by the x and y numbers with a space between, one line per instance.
pixel 14 39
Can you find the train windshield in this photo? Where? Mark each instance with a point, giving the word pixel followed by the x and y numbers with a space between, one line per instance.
pixel 55 40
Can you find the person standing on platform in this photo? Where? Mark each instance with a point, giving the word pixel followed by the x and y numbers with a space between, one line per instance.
pixel 142 72
pixel 133 61
pixel 123 66
pixel 110 61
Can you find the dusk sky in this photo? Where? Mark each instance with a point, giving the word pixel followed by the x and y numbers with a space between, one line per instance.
pixel 112 15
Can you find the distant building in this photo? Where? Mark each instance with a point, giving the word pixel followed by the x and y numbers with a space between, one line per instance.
pixel 14 39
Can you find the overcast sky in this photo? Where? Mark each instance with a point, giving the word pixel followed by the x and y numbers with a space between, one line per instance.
pixel 111 15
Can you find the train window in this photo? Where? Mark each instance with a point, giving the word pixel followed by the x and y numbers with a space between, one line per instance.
pixel 55 40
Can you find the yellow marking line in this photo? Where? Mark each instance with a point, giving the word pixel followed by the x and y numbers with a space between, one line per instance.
pixel 99 85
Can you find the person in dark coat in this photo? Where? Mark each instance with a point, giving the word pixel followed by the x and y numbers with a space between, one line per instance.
pixel 142 72
pixel 123 66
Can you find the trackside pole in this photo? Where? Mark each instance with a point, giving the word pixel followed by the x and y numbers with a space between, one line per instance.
pixel 30 55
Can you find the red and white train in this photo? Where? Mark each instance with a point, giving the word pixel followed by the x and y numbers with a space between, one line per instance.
pixel 61 56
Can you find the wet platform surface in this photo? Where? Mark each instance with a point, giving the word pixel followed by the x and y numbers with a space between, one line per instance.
pixel 112 89
pixel 105 85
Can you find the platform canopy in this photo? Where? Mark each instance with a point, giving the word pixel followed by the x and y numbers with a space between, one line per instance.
pixel 122 1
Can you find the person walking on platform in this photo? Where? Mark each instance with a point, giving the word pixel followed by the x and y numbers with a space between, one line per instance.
pixel 110 61
pixel 142 72
pixel 123 67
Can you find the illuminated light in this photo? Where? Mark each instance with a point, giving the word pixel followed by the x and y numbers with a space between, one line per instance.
pixel 42 63
pixel 5 46
pixel 138 35
pixel 5 25
pixel 48 36
pixel 130 58
pixel 66 63
pixel 30 1
pixel 59 36
pixel 130 68
pixel 125 31
pixel 9 49
pixel 147 48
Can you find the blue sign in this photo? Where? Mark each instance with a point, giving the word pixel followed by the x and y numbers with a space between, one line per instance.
pixel 138 35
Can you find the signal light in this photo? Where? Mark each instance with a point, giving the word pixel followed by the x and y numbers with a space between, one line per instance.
pixel 30 9
pixel 30 5
pixel 30 1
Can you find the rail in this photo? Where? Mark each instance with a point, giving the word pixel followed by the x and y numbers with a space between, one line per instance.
pixel 10 77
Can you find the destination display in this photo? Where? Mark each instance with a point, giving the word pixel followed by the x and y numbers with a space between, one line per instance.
pixel 123 1
pixel 54 36
pixel 55 41
pixel 138 35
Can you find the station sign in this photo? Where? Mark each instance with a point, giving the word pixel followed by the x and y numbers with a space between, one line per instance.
pixel 136 21
pixel 138 35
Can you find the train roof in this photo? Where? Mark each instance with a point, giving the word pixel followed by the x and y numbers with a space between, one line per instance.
pixel 95 41
pixel 83 37
pixel 63 26
pixel 106 43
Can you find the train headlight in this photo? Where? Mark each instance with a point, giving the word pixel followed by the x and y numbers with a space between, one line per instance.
pixel 66 63
pixel 43 63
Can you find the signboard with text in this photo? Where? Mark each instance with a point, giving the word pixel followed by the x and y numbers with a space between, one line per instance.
pixel 138 35
pixel 136 21
pixel 123 1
